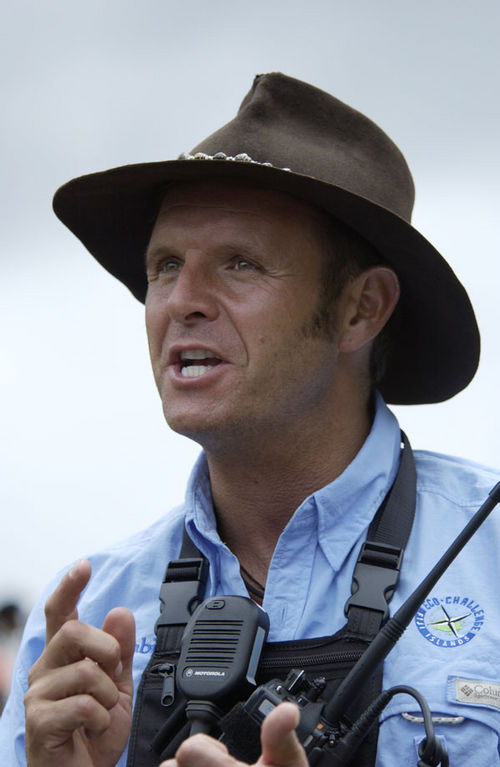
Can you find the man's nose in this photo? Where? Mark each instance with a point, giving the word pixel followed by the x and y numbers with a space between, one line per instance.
pixel 192 296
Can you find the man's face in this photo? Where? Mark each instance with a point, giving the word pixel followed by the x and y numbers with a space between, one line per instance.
pixel 235 278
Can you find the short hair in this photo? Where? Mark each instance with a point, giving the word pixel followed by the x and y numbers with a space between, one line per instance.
pixel 347 254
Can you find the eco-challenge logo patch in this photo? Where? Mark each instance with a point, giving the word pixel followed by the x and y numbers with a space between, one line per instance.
pixel 449 621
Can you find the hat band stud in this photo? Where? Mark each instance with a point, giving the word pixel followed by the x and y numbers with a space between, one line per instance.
pixel 242 157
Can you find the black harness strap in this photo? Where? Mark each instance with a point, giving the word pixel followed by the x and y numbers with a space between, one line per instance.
pixel 377 569
pixel 182 589
pixel 157 726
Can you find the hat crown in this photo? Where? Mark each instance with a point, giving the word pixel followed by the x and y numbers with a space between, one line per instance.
pixel 294 125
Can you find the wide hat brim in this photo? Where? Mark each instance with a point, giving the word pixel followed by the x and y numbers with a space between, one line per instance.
pixel 435 351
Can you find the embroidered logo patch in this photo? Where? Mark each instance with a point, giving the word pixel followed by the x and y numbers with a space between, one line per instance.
pixel 475 692
pixel 449 621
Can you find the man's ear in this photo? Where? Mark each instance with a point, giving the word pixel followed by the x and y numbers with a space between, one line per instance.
pixel 366 305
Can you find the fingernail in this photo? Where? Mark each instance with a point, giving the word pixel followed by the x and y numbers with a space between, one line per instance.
pixel 118 670
pixel 74 570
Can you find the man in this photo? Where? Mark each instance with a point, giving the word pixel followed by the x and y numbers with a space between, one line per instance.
pixel 286 295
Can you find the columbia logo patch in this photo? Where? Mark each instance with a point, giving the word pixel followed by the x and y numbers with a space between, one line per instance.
pixel 474 692
pixel 449 621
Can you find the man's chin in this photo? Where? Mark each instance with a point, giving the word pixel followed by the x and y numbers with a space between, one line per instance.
pixel 190 425
pixel 212 432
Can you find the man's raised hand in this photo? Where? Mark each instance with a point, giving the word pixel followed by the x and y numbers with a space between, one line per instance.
pixel 79 701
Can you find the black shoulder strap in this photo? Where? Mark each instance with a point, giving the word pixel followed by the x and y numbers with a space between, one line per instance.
pixel 377 569
pixel 393 521
pixel 182 589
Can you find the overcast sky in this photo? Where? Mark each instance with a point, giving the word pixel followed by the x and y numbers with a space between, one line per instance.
pixel 85 456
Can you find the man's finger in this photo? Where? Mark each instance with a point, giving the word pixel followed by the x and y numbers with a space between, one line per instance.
pixel 280 746
pixel 82 678
pixel 61 605
pixel 76 641
pixel 51 724
pixel 120 624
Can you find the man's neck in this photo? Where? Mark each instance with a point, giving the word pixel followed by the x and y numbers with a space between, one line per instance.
pixel 256 491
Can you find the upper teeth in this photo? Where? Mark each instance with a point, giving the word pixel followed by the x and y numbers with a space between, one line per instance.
pixel 195 354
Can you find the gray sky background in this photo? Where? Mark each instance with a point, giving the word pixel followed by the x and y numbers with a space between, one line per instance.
pixel 85 456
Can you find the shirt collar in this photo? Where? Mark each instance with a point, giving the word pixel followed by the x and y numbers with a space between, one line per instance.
pixel 343 508
pixel 346 506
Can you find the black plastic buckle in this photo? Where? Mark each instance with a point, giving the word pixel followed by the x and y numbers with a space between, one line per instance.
pixel 375 577
pixel 182 590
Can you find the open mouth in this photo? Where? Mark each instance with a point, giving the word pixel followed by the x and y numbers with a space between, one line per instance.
pixel 197 362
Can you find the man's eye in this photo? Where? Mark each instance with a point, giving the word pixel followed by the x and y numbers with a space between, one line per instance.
pixel 243 265
pixel 167 267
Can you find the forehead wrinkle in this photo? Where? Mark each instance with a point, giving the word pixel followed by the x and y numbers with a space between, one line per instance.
pixel 234 234
pixel 307 219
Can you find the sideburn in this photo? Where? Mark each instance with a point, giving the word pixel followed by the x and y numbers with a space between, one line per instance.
pixel 321 323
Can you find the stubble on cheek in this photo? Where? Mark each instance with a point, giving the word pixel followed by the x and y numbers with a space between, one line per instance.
pixel 321 322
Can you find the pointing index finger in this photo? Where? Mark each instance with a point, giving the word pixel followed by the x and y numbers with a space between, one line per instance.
pixel 61 605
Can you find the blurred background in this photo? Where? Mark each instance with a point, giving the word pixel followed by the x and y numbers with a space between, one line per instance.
pixel 85 456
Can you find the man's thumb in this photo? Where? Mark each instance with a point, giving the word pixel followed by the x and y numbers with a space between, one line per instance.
pixel 280 746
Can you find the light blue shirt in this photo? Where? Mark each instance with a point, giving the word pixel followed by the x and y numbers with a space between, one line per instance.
pixel 450 652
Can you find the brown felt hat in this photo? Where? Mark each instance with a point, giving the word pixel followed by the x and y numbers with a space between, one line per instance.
pixel 293 137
